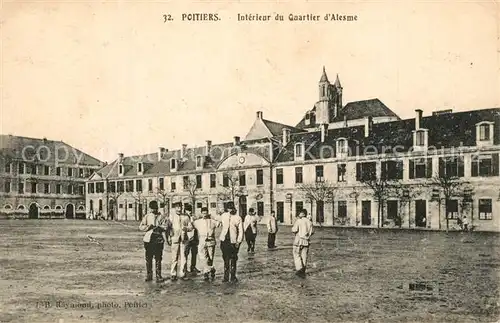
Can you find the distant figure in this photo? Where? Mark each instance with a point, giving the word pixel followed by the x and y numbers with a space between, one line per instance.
pixel 250 228
pixel 303 229
pixel 231 237
pixel 206 248
pixel 192 243
pixel 154 224
pixel 181 225
pixel 272 229
pixel 465 223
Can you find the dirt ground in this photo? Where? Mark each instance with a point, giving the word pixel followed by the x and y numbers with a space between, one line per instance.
pixel 52 272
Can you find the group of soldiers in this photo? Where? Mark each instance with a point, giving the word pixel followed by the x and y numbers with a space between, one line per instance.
pixel 192 237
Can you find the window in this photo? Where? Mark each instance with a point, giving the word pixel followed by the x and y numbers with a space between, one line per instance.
pixel 7 187
pixel 279 175
pixel 120 169
pixel 129 186
pixel 299 150
pixel 366 171
pixel 161 183
pixel 70 171
pixel 342 146
pixel 198 181
pixel 58 171
pixel 130 205
pixel 420 168
pixel 199 162
pixel 138 185
pixel 7 167
pixel 21 168
pixel 319 173
pixel 213 205
pixel 225 180
pixel 420 138
pixel 46 188
pixel 59 187
pixel 391 170
pixel 150 184
pixel 120 206
pixel 70 189
pixel 120 186
pixel 299 206
pixel 484 165
pixel 452 209
pixel 485 209
pixel 81 172
pixel 298 175
pixel 342 209
pixel 20 188
pixel 185 182
pixel 139 167
pixel 392 209
pixel 173 186
pixel 260 208
pixel 112 187
pixel 46 170
pixel 99 187
pixel 33 169
pixel 81 189
pixel 33 187
pixel 199 205
pixel 173 164
pixel 260 177
pixel 320 211
pixel 451 167
pixel 484 132
pixel 341 172
pixel 213 180
pixel 242 178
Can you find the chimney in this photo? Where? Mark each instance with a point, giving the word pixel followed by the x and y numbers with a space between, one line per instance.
pixel 236 140
pixel 183 151
pixel 161 152
pixel 208 147
pixel 259 114
pixel 368 126
pixel 418 118
pixel 120 158
pixel 286 136
pixel 345 121
pixel 324 131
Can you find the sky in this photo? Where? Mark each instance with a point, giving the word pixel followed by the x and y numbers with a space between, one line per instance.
pixel 113 77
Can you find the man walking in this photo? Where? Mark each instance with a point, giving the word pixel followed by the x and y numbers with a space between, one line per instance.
pixel 303 230
pixel 272 229
pixel 206 247
pixel 250 228
pixel 192 243
pixel 181 225
pixel 231 237
pixel 154 224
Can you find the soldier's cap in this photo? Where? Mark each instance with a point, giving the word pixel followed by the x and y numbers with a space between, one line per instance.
pixel 204 209
pixel 153 205
pixel 176 204
pixel 188 207
pixel 251 210
pixel 303 211
pixel 230 206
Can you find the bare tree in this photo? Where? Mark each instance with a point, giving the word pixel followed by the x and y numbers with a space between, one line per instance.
pixel 382 188
pixel 318 191
pixel 164 197
pixel 230 188
pixel 138 198
pixel 192 188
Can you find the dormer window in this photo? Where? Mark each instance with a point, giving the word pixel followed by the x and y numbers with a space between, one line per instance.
pixel 120 170
pixel 420 138
pixel 308 118
pixel 173 164
pixel 484 133
pixel 299 151
pixel 199 161
pixel 139 168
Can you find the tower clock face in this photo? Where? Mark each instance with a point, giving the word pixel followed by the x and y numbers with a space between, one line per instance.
pixel 242 160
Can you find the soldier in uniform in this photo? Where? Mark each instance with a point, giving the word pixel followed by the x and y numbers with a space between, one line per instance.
pixel 303 229
pixel 192 243
pixel 180 226
pixel 205 226
pixel 250 228
pixel 154 224
pixel 231 237
pixel 272 229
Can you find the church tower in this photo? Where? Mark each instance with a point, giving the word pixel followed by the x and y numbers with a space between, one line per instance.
pixel 323 105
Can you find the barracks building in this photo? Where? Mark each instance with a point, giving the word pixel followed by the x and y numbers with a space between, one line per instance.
pixel 349 164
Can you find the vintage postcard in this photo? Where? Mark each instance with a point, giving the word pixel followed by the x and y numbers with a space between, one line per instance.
pixel 249 161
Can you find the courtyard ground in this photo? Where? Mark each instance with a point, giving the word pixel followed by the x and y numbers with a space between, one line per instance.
pixel 51 271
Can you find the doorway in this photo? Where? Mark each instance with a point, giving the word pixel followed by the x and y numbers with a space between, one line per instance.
pixel 420 213
pixel 243 206
pixel 320 212
pixel 366 213
pixel 280 211
pixel 33 211
pixel 70 211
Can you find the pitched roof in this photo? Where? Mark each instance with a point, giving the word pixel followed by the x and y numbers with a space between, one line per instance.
pixel 48 150
pixel 324 77
pixel 337 82
pixel 276 128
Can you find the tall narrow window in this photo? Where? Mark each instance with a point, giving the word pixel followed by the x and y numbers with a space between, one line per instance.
pixel 161 183
pixel 298 175
pixel 213 180
pixel 484 132
pixel 260 177
pixel 320 173
pixel 279 175
pixel 198 181
pixel 485 209
pixel 242 178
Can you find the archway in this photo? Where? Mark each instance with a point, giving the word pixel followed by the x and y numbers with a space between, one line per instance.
pixel 33 211
pixel 70 211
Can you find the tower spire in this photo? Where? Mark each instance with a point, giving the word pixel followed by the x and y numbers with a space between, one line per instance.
pixel 324 78
pixel 337 82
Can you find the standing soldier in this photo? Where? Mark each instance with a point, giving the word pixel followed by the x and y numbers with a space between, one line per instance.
pixel 231 237
pixel 206 247
pixel 272 229
pixel 154 224
pixel 181 225
pixel 250 228
pixel 192 243
pixel 303 230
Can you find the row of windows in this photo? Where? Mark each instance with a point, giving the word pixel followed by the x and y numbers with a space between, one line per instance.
pixel 46 170
pixel 45 188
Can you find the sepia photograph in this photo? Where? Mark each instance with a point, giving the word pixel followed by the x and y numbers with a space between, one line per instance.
pixel 249 161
